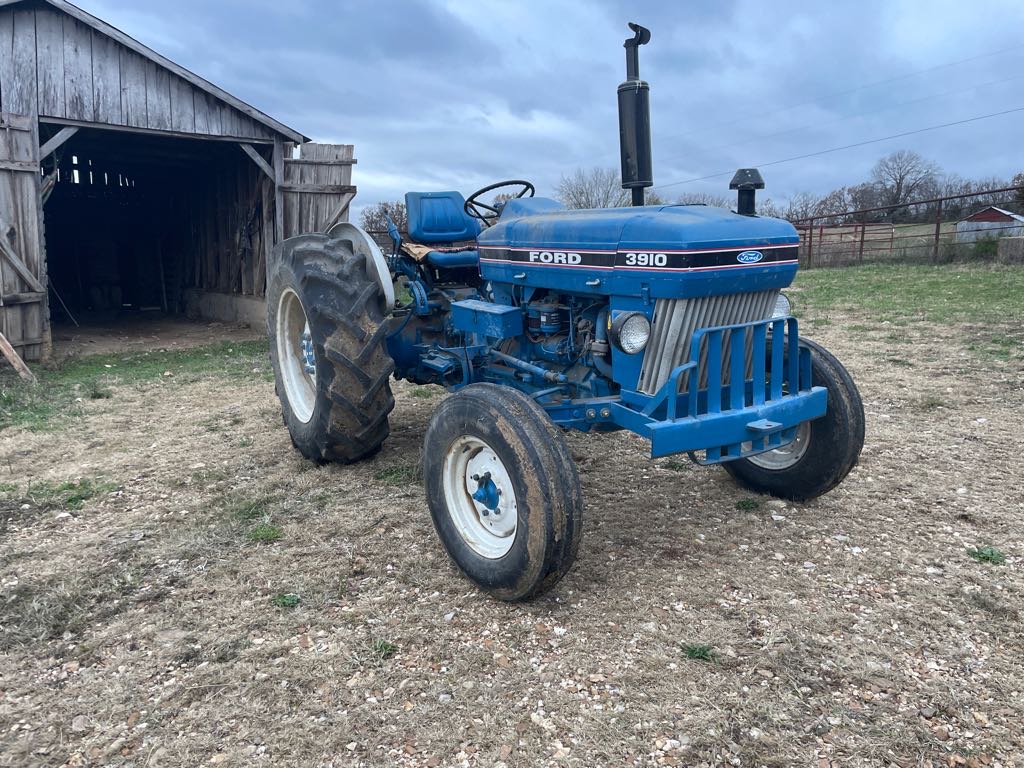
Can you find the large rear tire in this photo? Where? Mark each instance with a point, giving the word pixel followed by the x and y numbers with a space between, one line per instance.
pixel 325 319
pixel 522 535
pixel 825 450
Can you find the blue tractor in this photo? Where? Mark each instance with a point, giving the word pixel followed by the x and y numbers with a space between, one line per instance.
pixel 664 320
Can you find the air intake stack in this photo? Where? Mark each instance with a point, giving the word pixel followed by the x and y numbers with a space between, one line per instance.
pixel 635 120
pixel 746 181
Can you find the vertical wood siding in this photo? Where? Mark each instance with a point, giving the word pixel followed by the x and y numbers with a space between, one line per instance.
pixel 55 66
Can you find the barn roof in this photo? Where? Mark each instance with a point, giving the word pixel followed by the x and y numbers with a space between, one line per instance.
pixel 148 53
pixel 1003 211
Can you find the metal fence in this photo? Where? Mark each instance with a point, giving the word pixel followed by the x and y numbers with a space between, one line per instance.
pixel 924 231
pixel 917 232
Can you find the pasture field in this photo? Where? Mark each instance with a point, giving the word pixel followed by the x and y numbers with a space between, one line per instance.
pixel 178 586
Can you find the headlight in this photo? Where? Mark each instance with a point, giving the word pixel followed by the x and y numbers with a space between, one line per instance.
pixel 783 307
pixel 630 332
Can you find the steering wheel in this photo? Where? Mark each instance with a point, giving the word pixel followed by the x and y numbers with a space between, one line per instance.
pixel 487 213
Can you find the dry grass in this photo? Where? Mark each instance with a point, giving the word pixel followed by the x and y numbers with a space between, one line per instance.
pixel 147 627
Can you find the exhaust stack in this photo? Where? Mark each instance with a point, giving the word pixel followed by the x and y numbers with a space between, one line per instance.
pixel 635 120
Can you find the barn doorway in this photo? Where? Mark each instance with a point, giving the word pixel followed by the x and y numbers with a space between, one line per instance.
pixel 134 221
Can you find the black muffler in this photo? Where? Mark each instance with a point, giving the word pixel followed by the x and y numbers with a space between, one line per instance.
pixel 635 120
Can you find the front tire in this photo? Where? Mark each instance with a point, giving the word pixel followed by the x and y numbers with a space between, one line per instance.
pixel 521 534
pixel 325 319
pixel 825 450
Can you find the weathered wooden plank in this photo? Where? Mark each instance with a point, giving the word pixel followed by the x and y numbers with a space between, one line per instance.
pixel 249 127
pixel 279 196
pixel 341 214
pixel 56 141
pixel 39 312
pixel 183 111
pixel 267 237
pixel 158 96
pixel 15 261
pixel 21 94
pixel 106 79
pixel 203 85
pixel 20 257
pixel 78 87
pixel 258 159
pixel 150 131
pixel 6 45
pixel 24 297
pixel 229 120
pixel 19 165
pixel 15 360
pixel 305 161
pixel 202 112
pixel 18 123
pixel 50 61
pixel 329 189
pixel 214 113
pixel 133 89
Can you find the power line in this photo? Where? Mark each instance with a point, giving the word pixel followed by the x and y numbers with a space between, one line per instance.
pixel 848 146
pixel 848 91
pixel 704 151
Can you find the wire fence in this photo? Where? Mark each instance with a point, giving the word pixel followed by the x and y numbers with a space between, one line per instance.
pixel 918 232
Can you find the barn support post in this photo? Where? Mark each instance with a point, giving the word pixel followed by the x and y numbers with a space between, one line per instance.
pixel 278 191
pixel 44 269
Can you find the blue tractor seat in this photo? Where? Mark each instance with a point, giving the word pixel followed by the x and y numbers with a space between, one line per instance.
pixel 439 218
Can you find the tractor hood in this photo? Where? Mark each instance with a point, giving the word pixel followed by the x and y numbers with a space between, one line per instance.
pixel 660 251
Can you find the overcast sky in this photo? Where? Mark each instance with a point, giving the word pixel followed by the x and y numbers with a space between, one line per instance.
pixel 455 94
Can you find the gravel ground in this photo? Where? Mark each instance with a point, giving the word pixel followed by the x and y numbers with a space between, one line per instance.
pixel 152 622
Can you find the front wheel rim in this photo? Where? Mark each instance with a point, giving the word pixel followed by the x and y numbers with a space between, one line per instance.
pixel 471 467
pixel 785 457
pixel 295 356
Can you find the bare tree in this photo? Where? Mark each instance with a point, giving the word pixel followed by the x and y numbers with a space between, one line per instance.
pixel 374 218
pixel 802 205
pixel 904 176
pixel 705 199
pixel 768 207
pixel 833 206
pixel 863 195
pixel 596 188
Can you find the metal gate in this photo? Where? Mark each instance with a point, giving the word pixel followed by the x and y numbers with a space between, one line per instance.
pixel 316 188
pixel 24 318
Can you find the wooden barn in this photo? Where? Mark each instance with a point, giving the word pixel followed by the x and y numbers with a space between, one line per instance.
pixel 989 222
pixel 129 185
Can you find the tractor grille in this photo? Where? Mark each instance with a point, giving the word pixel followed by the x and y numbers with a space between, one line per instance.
pixel 675 320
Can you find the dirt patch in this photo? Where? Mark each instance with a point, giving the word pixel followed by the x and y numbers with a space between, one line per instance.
pixel 138 334
pixel 701 625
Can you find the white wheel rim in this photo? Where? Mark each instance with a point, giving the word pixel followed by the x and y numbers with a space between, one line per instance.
pixel 488 532
pixel 784 457
pixel 295 356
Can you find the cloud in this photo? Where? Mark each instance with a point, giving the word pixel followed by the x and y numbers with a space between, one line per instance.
pixel 452 94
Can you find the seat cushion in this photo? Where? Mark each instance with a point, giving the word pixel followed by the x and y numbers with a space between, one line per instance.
pixel 448 259
pixel 439 217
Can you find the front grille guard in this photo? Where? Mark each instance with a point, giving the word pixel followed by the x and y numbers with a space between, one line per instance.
pixel 779 371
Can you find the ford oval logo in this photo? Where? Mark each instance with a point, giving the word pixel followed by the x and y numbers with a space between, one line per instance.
pixel 750 257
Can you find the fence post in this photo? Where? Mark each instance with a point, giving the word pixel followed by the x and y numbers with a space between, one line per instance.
pixel 938 232
pixel 810 241
pixel 863 236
